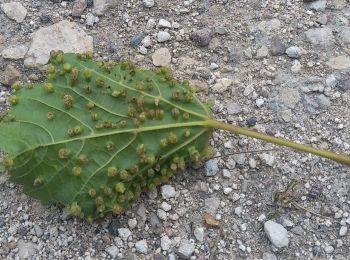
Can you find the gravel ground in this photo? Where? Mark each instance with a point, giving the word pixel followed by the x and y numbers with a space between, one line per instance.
pixel 278 66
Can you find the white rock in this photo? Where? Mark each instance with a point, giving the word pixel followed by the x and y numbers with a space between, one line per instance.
pixel 267 159
pixel 165 243
pixel 222 85
pixel 141 246
pixel 262 52
pixel 296 67
pixel 164 23
pixel 227 190
pixel 259 102
pixel 142 50
pixel 14 11
pixel 124 233
pixel 25 249
pixel 112 251
pixel 163 36
pixel 186 249
pixel 294 52
pixel 226 173
pixel 150 23
pixel 90 19
pixel 320 36
pixel 101 6
pixel 343 230
pixel 132 223
pixel 146 41
pixel 199 233
pixel 161 57
pixel 238 211
pixel 167 191
pixel 15 52
pixel 148 3
pixel 165 206
pixel 161 214
pixel 329 249
pixel 276 233
pixel 64 35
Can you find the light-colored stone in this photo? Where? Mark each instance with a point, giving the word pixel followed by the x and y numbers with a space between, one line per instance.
pixel 222 85
pixel 212 205
pixel 163 36
pixel 319 5
pixel 101 6
pixel 167 191
pixel 262 52
pixel 339 63
pixel 294 52
pixel 161 57
pixel 199 233
pixel 124 233
pixel 165 243
pixel 276 233
pixel 186 249
pixel 66 36
pixel 25 249
pixel 320 36
pixel 14 11
pixel 10 75
pixel 148 3
pixel 289 96
pixel 113 251
pixel 164 23
pixel 141 246
pixel 15 52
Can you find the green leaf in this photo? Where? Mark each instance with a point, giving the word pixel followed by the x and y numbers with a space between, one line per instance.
pixel 95 135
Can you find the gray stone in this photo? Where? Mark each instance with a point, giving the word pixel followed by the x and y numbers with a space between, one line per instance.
pixel 276 233
pixel 66 36
pixel 277 47
pixel 124 233
pixel 25 249
pixel 222 85
pixel 329 249
pixel 339 63
pixel 344 35
pixel 343 230
pixel 320 36
pixel 15 52
pixel 132 223
pixel 262 52
pixel 148 3
pixel 10 75
pixel 168 191
pixel 165 243
pixel 78 8
pixel 113 251
pixel 90 19
pixel 202 37
pixel 212 204
pixel 199 233
pixel 270 26
pixel 298 230
pixel 186 249
pixel 147 42
pixel 290 97
pixel 163 36
pixel 294 52
pixel 267 159
pixel 331 81
pixel 296 67
pixel 319 5
pixel 14 11
pixel 164 23
pixel 233 108
pixel 141 246
pixel 211 168
pixel 38 230
pixel 102 6
pixel 269 256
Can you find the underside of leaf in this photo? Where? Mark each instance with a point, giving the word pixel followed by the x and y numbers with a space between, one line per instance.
pixel 96 134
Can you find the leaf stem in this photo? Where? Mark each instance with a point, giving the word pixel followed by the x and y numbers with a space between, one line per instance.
pixel 341 158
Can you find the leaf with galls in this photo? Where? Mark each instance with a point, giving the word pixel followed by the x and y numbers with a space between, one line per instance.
pixel 97 134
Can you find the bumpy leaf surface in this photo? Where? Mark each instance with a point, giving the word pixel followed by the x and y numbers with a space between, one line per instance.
pixel 96 134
